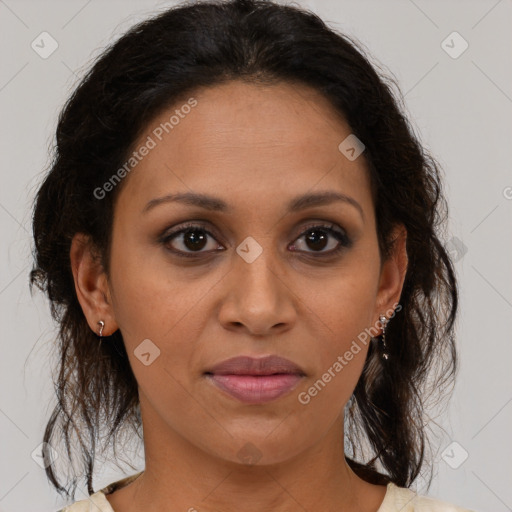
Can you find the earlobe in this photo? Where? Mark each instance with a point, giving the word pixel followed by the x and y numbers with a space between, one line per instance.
pixel 91 284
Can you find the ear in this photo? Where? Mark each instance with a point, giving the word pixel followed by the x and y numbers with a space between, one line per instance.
pixel 91 285
pixel 392 275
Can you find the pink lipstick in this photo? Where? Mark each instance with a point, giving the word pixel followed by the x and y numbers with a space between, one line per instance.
pixel 256 380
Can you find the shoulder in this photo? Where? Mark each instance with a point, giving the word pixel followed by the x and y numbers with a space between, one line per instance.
pixel 97 502
pixel 404 500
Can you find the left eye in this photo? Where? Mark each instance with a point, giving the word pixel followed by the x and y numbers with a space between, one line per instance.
pixel 317 237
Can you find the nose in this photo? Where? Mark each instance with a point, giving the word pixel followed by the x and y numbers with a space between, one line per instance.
pixel 258 299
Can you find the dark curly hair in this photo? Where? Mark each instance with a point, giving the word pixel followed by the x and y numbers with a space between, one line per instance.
pixel 150 68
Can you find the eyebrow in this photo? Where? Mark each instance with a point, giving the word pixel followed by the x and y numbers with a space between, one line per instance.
pixel 211 203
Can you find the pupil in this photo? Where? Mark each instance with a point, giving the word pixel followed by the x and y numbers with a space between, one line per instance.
pixel 193 240
pixel 316 239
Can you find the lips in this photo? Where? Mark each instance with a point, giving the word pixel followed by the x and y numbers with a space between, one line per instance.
pixel 245 365
pixel 255 380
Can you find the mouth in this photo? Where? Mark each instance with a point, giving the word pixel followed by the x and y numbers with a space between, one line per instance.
pixel 255 380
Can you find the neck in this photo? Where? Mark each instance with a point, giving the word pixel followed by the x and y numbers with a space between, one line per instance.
pixel 181 476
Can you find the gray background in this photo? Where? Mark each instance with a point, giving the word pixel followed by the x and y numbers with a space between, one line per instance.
pixel 461 108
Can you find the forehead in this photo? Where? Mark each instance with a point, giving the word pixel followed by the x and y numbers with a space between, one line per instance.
pixel 249 141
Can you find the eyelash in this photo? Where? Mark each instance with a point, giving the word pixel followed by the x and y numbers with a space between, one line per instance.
pixel 344 241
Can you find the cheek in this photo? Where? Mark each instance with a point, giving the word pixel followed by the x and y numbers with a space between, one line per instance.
pixel 343 305
pixel 341 311
pixel 338 356
pixel 149 296
pixel 159 314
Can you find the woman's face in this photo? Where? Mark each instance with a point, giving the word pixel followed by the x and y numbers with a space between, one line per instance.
pixel 259 274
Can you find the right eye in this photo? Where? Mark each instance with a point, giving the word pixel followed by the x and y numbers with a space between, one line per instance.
pixel 191 239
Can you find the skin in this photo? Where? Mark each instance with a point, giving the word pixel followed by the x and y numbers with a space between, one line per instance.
pixel 255 147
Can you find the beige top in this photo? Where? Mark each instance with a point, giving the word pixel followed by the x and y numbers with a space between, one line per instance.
pixel 396 499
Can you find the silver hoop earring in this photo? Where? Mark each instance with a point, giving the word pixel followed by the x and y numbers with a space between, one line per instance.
pixel 384 321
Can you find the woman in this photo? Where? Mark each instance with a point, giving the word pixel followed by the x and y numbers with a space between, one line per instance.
pixel 239 240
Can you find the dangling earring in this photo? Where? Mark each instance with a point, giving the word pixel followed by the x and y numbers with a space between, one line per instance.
pixel 101 323
pixel 383 320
